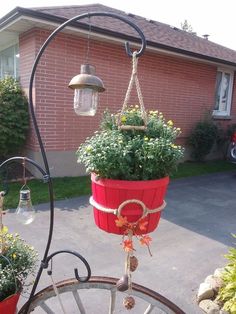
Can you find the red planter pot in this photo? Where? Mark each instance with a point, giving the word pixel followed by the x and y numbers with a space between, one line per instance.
pixel 111 193
pixel 8 306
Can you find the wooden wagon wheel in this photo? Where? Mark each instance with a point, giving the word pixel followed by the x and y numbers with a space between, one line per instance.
pixel 153 301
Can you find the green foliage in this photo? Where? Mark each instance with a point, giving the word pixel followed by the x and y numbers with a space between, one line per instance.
pixel 17 261
pixel 14 117
pixel 227 293
pixel 132 154
pixel 202 139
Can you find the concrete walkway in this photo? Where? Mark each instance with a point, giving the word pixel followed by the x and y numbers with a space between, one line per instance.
pixel 193 235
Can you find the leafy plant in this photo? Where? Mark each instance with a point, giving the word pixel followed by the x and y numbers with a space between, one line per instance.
pixel 132 154
pixel 14 117
pixel 202 139
pixel 17 261
pixel 227 293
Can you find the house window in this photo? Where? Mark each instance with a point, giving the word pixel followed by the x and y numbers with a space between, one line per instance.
pixel 223 92
pixel 9 62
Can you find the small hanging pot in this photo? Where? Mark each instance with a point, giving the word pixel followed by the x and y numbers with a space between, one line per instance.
pixel 8 305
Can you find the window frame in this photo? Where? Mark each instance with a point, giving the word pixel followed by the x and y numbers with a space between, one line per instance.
pixel 15 47
pixel 224 113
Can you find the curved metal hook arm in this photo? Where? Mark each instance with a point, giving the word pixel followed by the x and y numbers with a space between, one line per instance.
pixel 81 279
pixel 19 158
pixel 35 124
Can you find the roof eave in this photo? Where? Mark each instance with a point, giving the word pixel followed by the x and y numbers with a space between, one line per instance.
pixel 19 11
pixel 190 53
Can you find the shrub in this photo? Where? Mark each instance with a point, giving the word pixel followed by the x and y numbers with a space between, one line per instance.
pixel 202 139
pixel 132 154
pixel 227 292
pixel 14 117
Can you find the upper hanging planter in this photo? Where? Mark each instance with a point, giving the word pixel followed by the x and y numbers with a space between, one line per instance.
pixel 135 146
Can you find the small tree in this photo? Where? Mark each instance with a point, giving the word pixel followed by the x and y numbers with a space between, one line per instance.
pixel 14 117
pixel 185 26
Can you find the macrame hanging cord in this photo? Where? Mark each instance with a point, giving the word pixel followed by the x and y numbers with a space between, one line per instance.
pixel 133 80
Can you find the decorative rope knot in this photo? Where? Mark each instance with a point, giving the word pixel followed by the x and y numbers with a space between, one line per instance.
pixel 117 211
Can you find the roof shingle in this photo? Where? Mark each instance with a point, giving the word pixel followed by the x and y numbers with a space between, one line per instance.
pixel 157 34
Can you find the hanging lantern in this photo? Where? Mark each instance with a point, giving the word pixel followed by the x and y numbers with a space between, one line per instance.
pixel 25 211
pixel 86 86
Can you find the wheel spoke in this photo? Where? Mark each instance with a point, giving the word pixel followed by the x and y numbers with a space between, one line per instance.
pixel 149 309
pixel 46 308
pixel 78 302
pixel 112 301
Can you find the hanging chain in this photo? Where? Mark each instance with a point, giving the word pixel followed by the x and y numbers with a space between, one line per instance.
pixel 24 176
pixel 1 223
pixel 88 43
pixel 127 266
pixel 1 209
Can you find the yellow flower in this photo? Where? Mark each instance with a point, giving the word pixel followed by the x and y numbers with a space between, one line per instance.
pixel 174 146
pixel 88 149
pixel 170 123
pixel 123 119
pixel 146 138
pixel 14 255
pixel 4 230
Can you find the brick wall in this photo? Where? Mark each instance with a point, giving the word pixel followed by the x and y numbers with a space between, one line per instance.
pixel 182 89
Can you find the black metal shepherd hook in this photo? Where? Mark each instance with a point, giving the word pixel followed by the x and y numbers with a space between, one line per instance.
pixel 46 172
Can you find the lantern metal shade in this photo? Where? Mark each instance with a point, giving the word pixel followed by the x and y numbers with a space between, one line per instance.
pixel 87 79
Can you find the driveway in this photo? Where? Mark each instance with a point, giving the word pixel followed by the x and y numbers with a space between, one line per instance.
pixel 193 235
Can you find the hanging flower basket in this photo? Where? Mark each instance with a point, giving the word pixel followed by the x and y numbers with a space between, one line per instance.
pixel 8 305
pixel 108 195
pixel 17 260
pixel 131 159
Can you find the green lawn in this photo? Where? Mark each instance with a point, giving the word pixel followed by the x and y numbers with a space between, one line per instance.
pixel 77 186
pixel 189 169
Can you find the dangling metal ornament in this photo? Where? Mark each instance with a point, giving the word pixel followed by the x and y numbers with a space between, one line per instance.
pixel 133 263
pixel 129 302
pixel 123 283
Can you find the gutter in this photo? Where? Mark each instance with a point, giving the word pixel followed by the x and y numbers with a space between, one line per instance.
pixel 19 11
